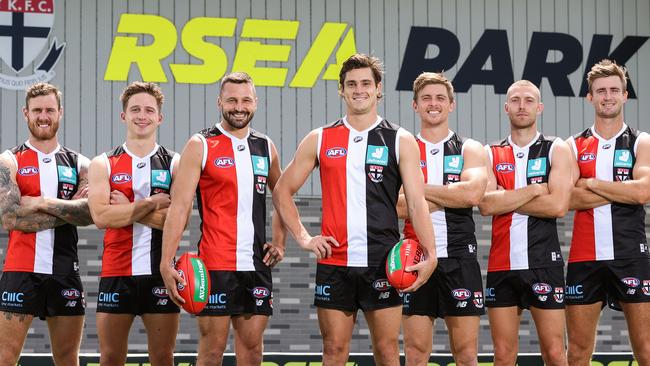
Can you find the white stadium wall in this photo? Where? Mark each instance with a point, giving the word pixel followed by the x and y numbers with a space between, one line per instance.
pixel 496 41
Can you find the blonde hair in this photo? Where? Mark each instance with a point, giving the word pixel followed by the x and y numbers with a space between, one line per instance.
pixel 604 69
pixel 429 78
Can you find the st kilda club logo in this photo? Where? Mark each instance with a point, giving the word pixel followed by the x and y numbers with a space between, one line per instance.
pixel 25 28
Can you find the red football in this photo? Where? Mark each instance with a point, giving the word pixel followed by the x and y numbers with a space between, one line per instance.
pixel 405 253
pixel 197 282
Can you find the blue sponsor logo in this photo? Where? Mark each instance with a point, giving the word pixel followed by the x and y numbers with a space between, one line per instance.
pixel 16 297
pixel 218 298
pixel 622 159
pixel 574 290
pixel 453 164
pixel 536 167
pixel 109 297
pixel 67 174
pixel 260 165
pixel 161 179
pixel 322 290
pixel 377 155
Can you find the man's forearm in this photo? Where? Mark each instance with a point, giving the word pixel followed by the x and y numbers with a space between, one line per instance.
pixel 37 222
pixel 74 212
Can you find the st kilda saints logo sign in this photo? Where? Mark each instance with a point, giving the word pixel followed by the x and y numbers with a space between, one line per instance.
pixel 25 27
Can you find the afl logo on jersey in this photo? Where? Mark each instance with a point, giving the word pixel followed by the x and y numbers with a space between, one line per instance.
pixel 461 294
pixel 336 152
pixel 224 162
pixel 586 157
pixel 120 178
pixel 505 168
pixel 261 292
pixel 70 293
pixel 28 171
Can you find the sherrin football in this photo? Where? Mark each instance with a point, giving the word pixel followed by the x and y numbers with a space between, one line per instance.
pixel 197 282
pixel 405 253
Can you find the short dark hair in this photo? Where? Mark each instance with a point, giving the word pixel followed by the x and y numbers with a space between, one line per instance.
pixel 604 69
pixel 238 77
pixel 361 61
pixel 137 87
pixel 41 89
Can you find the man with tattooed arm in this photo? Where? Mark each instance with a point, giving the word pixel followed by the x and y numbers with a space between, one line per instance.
pixel 43 189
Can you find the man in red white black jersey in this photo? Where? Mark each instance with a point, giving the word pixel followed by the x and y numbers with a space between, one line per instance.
pixel 129 196
pixel 454 171
pixel 609 261
pixel 529 185
pixel 229 166
pixel 43 186
pixel 363 161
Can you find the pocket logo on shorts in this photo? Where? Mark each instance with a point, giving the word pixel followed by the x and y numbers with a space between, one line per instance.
pixel 461 294
pixel 541 288
pixel 646 287
pixel 261 292
pixel 631 281
pixel 478 299
pixel 559 295
pixel 159 291
pixel 70 293
pixel 381 284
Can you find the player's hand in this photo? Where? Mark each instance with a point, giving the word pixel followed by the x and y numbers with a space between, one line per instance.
pixel 424 269
pixel 274 254
pixel 118 198
pixel 162 200
pixel 171 278
pixel 29 205
pixel 82 192
pixel 320 245
pixel 541 189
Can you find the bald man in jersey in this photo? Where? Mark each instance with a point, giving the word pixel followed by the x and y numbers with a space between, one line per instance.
pixel 609 261
pixel 363 161
pixel 43 186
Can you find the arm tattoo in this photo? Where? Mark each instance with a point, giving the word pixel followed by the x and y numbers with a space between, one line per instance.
pixel 37 222
pixel 74 212
pixel 9 198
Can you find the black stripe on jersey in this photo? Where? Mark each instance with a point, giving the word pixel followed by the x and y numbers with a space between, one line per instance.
pixel 161 160
pixel 382 194
pixel 65 260
pixel 258 145
pixel 460 223
pixel 542 232
pixel 628 221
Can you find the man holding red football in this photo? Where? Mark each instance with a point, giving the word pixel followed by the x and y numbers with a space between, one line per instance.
pixel 363 161
pixel 529 185
pixel 229 165
pixel 128 196
pixel 455 174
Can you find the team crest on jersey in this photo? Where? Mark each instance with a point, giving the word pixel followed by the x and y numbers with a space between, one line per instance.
pixel 453 164
pixel 536 167
pixel 66 190
pixel 120 178
pixel 224 162
pixel 336 152
pixel 67 174
pixel 260 185
pixel 559 295
pixel 26 26
pixel 28 171
pixel 505 168
pixel 622 159
pixel 622 174
pixel 376 173
pixel 161 178
pixel 478 299
pixel 377 155
pixel 260 165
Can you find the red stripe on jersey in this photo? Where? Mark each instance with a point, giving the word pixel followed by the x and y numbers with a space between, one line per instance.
pixel 409 231
pixel 503 166
pixel 23 245
pixel 583 241
pixel 333 172
pixel 118 242
pixel 218 188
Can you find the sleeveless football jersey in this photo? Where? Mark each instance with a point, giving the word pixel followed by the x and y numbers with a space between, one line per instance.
pixel 616 230
pixel 442 164
pixel 521 241
pixel 136 249
pixel 54 175
pixel 360 183
pixel 232 199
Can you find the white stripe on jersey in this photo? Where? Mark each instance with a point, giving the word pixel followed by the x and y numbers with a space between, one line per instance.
pixel 603 214
pixel 49 177
pixel 357 215
pixel 245 189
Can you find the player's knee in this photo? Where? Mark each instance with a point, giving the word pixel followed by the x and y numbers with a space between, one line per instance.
pixel 386 352
pixel 212 357
pixel 9 355
pixel 642 352
pixel 554 355
pixel 416 353
pixel 71 358
pixel 505 353
pixel 161 357
pixel 112 359
pixel 465 357
pixel 249 351
pixel 333 349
